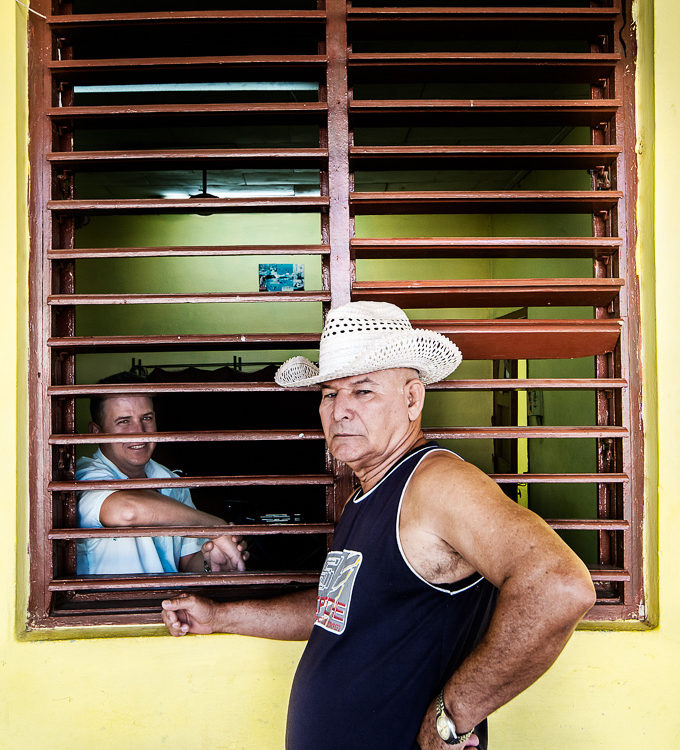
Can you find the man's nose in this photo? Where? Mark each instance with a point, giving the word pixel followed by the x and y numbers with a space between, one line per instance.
pixel 342 408
pixel 136 425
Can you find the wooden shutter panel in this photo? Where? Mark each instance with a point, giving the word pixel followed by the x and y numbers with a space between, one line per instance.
pixel 104 48
pixel 393 57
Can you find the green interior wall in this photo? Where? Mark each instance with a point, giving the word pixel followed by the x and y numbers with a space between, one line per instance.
pixel 240 273
pixel 189 274
pixel 560 407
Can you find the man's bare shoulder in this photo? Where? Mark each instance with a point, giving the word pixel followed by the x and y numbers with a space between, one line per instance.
pixel 447 493
pixel 446 500
pixel 453 501
pixel 447 471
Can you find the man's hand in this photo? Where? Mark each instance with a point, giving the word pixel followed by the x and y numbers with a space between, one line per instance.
pixel 189 614
pixel 429 739
pixel 287 618
pixel 225 553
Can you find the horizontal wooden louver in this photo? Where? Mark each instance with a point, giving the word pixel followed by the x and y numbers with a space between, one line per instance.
pixel 498 247
pixel 552 119
pixel 247 112
pixel 171 159
pixel 493 157
pixel 591 112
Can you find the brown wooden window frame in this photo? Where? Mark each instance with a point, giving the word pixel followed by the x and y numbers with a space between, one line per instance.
pixel 612 336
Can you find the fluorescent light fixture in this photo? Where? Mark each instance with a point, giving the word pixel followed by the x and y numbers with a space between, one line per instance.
pixel 175 195
pixel 130 88
pixel 216 193
pixel 269 192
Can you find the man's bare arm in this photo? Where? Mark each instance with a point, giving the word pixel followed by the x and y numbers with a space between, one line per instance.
pixel 544 589
pixel 289 617
pixel 151 508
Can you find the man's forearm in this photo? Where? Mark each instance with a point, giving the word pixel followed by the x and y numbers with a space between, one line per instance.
pixel 151 508
pixel 290 617
pixel 527 632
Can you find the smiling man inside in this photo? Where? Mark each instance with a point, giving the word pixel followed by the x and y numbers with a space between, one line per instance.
pixel 97 508
pixel 440 598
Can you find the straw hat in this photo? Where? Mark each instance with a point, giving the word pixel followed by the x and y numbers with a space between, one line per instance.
pixel 362 337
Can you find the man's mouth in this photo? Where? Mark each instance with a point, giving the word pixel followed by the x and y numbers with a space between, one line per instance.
pixel 136 446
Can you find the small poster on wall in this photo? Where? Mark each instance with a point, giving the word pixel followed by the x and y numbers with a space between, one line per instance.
pixel 282 277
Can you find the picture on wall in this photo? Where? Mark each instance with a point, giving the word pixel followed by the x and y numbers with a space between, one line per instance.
pixel 282 277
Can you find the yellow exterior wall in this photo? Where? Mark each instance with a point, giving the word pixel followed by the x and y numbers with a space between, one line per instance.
pixel 609 689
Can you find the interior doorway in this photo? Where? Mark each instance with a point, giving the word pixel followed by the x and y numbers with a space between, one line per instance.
pixel 510 455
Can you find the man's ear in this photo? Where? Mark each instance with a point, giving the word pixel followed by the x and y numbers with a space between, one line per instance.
pixel 94 428
pixel 415 398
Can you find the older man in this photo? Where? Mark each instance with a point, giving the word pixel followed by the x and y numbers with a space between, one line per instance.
pixel 131 413
pixel 440 598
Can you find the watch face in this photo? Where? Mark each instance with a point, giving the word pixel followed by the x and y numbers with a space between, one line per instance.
pixel 443 726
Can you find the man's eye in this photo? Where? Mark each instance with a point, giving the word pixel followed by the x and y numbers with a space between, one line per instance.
pixel 364 392
pixel 326 396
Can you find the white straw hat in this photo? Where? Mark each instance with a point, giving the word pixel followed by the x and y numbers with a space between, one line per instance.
pixel 362 337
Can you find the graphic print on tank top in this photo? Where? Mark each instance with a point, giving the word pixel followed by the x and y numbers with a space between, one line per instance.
pixel 335 589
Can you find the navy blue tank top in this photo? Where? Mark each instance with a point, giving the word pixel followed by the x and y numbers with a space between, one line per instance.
pixel 385 640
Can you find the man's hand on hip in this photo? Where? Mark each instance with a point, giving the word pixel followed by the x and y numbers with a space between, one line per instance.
pixel 429 739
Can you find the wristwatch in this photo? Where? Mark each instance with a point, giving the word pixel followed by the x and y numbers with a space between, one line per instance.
pixel 446 726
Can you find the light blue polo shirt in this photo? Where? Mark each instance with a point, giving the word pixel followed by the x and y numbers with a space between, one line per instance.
pixel 126 554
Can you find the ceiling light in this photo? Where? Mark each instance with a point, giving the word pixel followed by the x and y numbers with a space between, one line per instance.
pixel 131 88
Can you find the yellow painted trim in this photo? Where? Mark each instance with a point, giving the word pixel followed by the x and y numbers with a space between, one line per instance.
pixel 522 443
pixel 646 258
pixel 15 92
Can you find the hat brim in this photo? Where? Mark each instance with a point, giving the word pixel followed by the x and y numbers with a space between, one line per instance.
pixel 433 355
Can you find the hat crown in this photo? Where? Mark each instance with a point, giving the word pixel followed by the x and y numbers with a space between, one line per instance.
pixel 358 316
pixel 349 329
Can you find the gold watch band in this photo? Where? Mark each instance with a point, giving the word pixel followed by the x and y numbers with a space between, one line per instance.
pixel 453 738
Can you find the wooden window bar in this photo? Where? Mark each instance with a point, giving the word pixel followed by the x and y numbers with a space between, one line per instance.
pixel 127 20
pixel 483 339
pixel 245 112
pixel 343 60
pixel 196 157
pixel 479 157
pixel 185 250
pixel 590 112
pixel 189 205
pixel 486 247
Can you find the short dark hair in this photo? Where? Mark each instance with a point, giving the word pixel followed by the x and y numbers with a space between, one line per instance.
pixel 97 402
